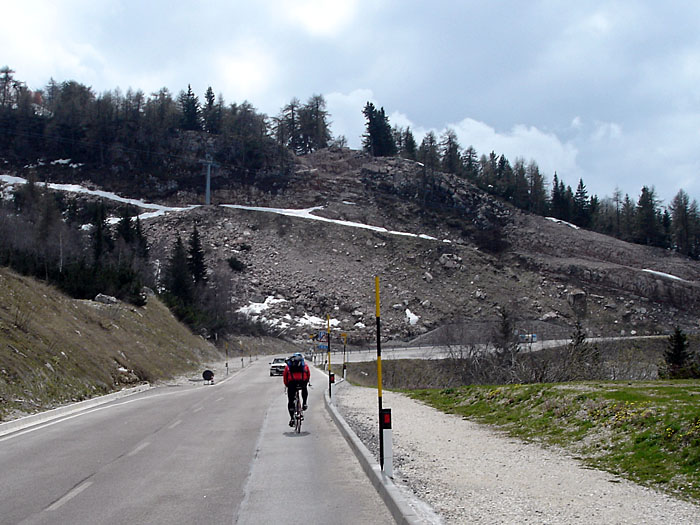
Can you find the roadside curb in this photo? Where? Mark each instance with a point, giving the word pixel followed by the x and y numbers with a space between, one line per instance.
pixel 396 504
pixel 42 417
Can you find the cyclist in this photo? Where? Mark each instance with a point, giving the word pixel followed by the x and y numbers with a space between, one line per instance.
pixel 296 374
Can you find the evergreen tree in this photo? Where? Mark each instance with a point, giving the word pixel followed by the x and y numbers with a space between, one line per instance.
pixel 677 355
pixel 195 258
pixel 682 223
pixel 504 178
pixel 313 125
pixel 617 199
pixel 627 219
pixel 428 153
pixel 560 200
pixel 102 242
pixel 581 211
pixel 520 195
pixel 450 152
pixel 289 131
pixel 410 148
pixel 378 140
pixel 537 192
pixel 142 249
pixel 190 111
pixel 470 161
pixel 178 277
pixel 647 224
pixel 212 112
pixel 125 229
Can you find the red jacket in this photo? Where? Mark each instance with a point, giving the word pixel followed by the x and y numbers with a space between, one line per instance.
pixel 289 376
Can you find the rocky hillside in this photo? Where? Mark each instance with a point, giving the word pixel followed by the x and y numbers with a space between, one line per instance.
pixel 448 253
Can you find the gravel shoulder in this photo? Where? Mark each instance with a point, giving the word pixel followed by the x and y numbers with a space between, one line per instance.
pixel 471 473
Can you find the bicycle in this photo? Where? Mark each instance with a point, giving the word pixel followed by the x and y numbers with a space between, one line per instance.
pixel 298 411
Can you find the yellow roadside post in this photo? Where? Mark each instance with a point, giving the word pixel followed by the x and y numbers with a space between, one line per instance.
pixel 330 374
pixel 379 372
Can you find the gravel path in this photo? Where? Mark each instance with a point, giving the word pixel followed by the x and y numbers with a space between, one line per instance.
pixel 471 473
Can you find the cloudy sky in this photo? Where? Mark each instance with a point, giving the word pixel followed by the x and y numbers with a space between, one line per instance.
pixel 606 91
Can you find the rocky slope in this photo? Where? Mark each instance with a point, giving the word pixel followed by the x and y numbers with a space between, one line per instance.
pixel 475 255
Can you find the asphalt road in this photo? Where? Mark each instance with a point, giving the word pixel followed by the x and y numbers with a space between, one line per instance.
pixel 443 352
pixel 193 453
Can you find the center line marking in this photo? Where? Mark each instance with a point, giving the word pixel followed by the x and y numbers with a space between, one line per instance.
pixel 138 449
pixel 197 409
pixel 73 493
pixel 176 423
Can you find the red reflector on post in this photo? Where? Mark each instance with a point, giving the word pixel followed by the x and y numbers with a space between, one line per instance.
pixel 386 418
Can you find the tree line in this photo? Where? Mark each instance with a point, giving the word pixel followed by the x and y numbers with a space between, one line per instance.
pixel 642 221
pixel 160 134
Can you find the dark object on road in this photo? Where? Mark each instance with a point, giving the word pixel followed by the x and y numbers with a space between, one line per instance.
pixel 208 376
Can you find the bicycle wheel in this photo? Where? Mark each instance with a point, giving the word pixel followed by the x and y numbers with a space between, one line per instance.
pixel 298 414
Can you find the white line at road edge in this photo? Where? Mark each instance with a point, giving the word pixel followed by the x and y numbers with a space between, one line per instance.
pixel 82 412
pixel 138 449
pixel 73 493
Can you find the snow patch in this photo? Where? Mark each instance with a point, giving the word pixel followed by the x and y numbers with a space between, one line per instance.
pixel 254 309
pixel 411 317
pixel 662 274
pixel 563 222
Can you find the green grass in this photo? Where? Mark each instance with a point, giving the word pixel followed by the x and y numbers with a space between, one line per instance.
pixel 648 432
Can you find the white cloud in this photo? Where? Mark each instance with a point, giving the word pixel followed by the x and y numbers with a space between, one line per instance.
pixel 607 131
pixel 526 142
pixel 346 114
pixel 320 17
pixel 246 71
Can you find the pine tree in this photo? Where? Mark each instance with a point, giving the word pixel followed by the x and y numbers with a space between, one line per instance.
pixel 190 110
pixel 581 211
pixel 289 127
pixel 537 193
pixel 410 147
pixel 378 140
pixel 313 125
pixel 677 354
pixel 102 242
pixel 647 224
pixel 449 152
pixel 470 161
pixel 195 259
pixel 125 229
pixel 178 277
pixel 212 112
pixel 141 241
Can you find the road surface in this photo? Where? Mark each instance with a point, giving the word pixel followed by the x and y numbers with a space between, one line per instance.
pixel 190 453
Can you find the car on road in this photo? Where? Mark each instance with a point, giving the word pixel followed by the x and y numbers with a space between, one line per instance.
pixel 277 366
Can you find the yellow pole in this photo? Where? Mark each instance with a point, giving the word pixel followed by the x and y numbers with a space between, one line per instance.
pixel 330 392
pixel 379 374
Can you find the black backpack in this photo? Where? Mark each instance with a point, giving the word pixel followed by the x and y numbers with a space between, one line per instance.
pixel 296 363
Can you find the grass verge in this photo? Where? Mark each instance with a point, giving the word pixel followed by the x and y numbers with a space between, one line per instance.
pixel 648 432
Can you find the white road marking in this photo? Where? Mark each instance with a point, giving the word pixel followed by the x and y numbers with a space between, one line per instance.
pixel 138 449
pixel 176 423
pixel 73 493
pixel 84 412
pixel 197 410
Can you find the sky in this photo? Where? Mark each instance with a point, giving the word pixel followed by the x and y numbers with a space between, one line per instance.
pixel 604 91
